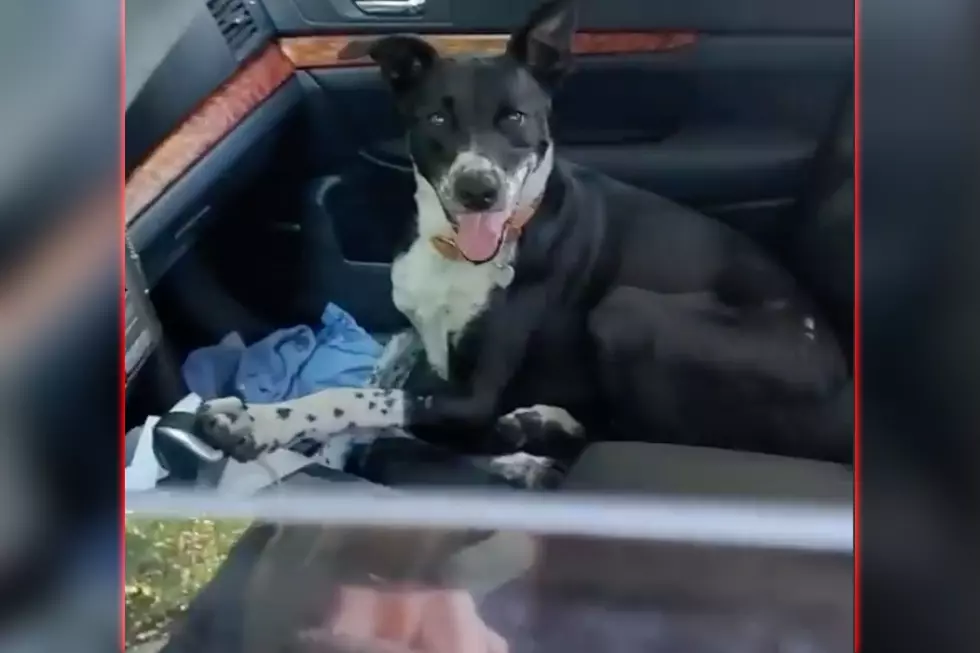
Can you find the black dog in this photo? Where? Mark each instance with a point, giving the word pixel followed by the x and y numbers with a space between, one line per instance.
pixel 568 302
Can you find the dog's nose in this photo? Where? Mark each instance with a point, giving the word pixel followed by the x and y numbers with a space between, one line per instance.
pixel 477 191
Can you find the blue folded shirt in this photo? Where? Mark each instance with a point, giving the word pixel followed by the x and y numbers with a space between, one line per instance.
pixel 286 364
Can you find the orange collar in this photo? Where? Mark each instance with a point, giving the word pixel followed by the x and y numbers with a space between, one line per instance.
pixel 446 245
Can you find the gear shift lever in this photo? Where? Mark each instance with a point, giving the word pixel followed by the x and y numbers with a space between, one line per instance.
pixel 178 428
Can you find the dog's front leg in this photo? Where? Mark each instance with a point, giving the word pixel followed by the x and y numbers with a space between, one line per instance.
pixel 246 430
pixel 473 413
pixel 243 430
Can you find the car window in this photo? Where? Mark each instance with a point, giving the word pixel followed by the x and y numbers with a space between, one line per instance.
pixel 244 582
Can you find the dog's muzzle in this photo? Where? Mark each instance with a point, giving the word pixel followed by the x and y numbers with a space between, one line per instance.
pixel 479 190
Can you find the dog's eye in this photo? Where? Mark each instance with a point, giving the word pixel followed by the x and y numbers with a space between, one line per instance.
pixel 513 117
pixel 436 119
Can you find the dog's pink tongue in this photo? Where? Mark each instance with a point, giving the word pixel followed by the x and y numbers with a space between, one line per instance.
pixel 479 234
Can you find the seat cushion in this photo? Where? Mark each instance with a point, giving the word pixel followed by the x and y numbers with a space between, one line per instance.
pixel 664 469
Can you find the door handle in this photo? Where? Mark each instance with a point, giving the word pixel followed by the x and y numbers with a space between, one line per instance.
pixel 391 7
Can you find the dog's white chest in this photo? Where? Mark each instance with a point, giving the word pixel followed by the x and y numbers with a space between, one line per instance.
pixel 440 297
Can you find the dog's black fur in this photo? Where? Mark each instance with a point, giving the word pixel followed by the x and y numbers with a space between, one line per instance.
pixel 643 319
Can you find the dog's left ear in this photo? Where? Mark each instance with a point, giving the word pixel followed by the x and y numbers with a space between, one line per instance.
pixel 403 59
pixel 544 44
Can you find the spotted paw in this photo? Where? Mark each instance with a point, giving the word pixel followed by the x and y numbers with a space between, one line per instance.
pixel 226 425
pixel 542 429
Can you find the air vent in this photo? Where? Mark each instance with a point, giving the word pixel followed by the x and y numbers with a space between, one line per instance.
pixel 236 22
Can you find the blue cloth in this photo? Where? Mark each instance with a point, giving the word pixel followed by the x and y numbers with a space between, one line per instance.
pixel 286 364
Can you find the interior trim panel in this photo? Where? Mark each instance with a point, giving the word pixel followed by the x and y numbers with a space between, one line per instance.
pixel 257 80
pixel 170 226
pixel 337 50
pixel 205 127
pixel 176 64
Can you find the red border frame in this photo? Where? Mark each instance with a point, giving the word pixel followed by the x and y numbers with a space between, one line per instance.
pixel 857 320
pixel 122 323
pixel 857 325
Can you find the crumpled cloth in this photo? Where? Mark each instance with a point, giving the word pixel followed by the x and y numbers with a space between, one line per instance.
pixel 287 363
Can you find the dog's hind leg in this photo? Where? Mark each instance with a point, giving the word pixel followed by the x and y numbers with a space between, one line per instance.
pixel 544 430
pixel 689 369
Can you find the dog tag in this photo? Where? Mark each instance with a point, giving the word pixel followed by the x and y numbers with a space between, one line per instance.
pixel 506 276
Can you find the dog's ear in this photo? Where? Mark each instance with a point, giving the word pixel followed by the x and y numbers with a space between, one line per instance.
pixel 404 60
pixel 544 44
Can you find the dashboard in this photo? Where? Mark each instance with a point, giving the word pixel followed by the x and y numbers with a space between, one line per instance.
pixel 177 53
pixel 196 69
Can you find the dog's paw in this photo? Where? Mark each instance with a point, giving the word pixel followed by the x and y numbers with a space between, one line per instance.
pixel 539 427
pixel 226 425
pixel 527 471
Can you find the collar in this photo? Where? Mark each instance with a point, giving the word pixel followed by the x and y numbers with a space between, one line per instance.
pixel 446 245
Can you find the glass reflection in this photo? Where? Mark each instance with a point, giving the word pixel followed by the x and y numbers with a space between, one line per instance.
pixel 201 585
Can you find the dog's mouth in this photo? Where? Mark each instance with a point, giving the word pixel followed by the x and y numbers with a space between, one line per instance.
pixel 479 235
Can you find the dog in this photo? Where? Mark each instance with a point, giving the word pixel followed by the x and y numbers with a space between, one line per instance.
pixel 559 306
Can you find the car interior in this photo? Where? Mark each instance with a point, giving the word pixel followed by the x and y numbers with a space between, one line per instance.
pixel 267 174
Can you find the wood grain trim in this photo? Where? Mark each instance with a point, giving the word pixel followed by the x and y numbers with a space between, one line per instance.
pixel 257 80
pixel 204 128
pixel 334 51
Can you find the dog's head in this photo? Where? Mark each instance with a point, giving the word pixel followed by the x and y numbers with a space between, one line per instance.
pixel 478 126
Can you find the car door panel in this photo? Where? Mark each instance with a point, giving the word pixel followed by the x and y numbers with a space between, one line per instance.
pixel 750 16
pixel 171 224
